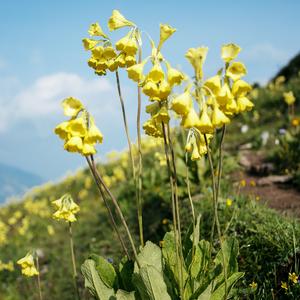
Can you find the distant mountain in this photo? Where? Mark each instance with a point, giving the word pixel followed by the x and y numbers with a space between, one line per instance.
pixel 291 69
pixel 14 181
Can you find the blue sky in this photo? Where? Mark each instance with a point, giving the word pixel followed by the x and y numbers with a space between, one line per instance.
pixel 42 61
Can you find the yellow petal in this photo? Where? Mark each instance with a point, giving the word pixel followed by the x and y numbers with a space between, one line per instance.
pixel 74 144
pixel 89 44
pixel 117 20
pixel 213 84
pixel 244 104
pixel 196 57
pixel 205 125
pixel 191 119
pixel 240 88
pixel 182 104
pixel 77 127
pixel 289 97
pixel 150 89
pixel 72 106
pixel 165 32
pixel 96 30
pixel 135 72
pixel 156 73
pixel 229 52
pixel 236 70
pixel 174 76
pixel 218 118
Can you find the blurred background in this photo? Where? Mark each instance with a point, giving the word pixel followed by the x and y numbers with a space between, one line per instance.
pixel 42 61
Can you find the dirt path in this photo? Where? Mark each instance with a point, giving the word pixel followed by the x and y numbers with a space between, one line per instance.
pixel 271 189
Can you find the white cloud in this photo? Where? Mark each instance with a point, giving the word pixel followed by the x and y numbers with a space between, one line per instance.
pixel 42 98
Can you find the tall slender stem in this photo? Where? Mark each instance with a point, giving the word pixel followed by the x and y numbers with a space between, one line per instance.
pixel 39 279
pixel 118 209
pixel 140 162
pixel 73 261
pixel 111 216
pixel 215 206
pixel 175 225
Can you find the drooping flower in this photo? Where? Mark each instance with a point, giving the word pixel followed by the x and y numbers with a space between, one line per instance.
pixel 117 20
pixel 71 106
pixel 135 72
pixel 89 44
pixel 66 208
pixel 156 73
pixel 191 119
pixel 213 84
pixel 165 32
pixel 205 124
pixel 218 118
pixel 174 76
pixel 196 57
pixel 96 30
pixel 182 104
pixel 230 52
pixel 27 265
pixel 236 70
pixel 289 98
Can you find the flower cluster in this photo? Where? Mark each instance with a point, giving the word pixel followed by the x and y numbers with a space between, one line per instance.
pixel 218 98
pixel 27 265
pixel 103 55
pixel 79 133
pixel 289 98
pixel 157 84
pixel 9 266
pixel 66 208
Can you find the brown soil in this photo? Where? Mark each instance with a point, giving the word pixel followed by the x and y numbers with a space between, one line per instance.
pixel 261 186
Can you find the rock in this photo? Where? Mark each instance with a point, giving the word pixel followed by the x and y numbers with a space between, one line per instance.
pixel 269 180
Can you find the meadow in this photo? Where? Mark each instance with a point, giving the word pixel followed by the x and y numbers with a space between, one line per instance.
pixel 183 213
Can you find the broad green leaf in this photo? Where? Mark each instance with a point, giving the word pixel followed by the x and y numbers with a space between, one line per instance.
pixel 123 295
pixel 206 294
pixel 154 283
pixel 93 282
pixel 196 234
pixel 219 293
pixel 125 273
pixel 105 270
pixel 150 255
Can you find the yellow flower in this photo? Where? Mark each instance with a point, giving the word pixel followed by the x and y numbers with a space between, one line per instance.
pixel 135 72
pixel 89 44
pixel 213 84
pixel 50 230
pixel 182 104
pixel 61 130
pixel 243 104
pixel 88 149
pixel 162 115
pixel 151 128
pixel 112 65
pixel 196 57
pixel 120 60
pixel 236 70
pixel 74 144
pixel 67 208
pixel 289 98
pixel 279 80
pixel 191 119
pixel 284 285
pixel 295 122
pixel 130 60
pixel 77 127
pixel 117 20
pixel 27 265
pixel 156 73
pixel 127 44
pixel 71 106
pixel 150 89
pixel 225 96
pixel 218 118
pixel 94 135
pixel 293 277
pixel 253 285
pixel 205 124
pixel 257 198
pixel 240 88
pixel 96 30
pixel 195 154
pixel 174 76
pixel 243 183
pixel 228 202
pixel 165 32
pixel 109 52
pixel 252 183
pixel 164 90
pixel 229 52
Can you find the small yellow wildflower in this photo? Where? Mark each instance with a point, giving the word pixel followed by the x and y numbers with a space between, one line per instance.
pixel 252 183
pixel 196 57
pixel 295 122
pixel 165 32
pixel 253 285
pixel 293 277
pixel 243 183
pixel 284 285
pixel 257 198
pixel 228 202
pixel 67 208
pixel 117 20
pixel 289 98
pixel 27 265
pixel 165 221
pixel 229 52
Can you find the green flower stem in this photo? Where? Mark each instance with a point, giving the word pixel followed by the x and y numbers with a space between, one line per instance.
pixel 175 219
pixel 215 207
pixel 111 216
pixel 140 162
pixel 100 180
pixel 73 261
pixel 39 278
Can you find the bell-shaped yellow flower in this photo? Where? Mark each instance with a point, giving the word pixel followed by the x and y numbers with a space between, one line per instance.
pixel 236 71
pixel 191 119
pixel 131 47
pixel 150 89
pixel 135 72
pixel 88 149
pixel 165 32
pixel 230 52
pixel 61 130
pixel 174 76
pixel 156 73
pixel 71 106
pixel 182 104
pixel 93 135
pixel 164 90
pixel 117 20
pixel 218 118
pixel 89 44
pixel 120 60
pixel 240 88
pixel 231 107
pixel 130 60
pixel 289 98
pixel 205 125
pixel 109 52
pixel 96 30
pixel 112 65
pixel 195 153
pixel 98 52
pixel 152 128
pixel 74 144
pixel 213 84
pixel 244 104
pixel 28 266
pixel 225 95
pixel 196 57
pixel 162 115
pixel 77 127
pixel 66 208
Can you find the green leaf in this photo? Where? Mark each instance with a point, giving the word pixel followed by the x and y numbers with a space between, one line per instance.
pixel 93 282
pixel 123 295
pixel 206 294
pixel 125 273
pixel 219 293
pixel 150 255
pixel 105 270
pixel 154 283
